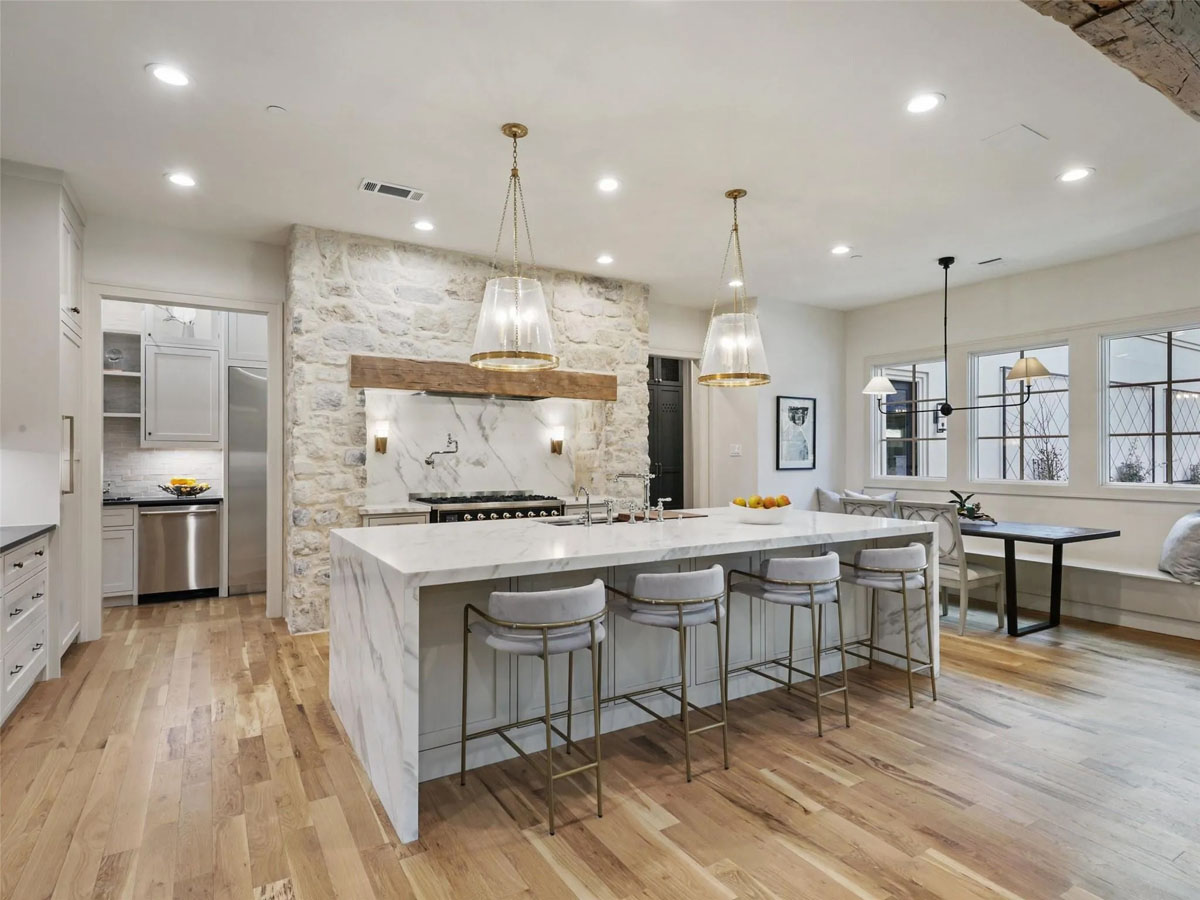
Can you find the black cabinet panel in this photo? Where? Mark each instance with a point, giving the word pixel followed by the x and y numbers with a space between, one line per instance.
pixel 666 430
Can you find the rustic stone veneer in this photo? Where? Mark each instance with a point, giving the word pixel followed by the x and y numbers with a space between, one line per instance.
pixel 350 293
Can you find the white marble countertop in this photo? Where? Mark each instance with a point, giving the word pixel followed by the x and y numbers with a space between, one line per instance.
pixel 470 551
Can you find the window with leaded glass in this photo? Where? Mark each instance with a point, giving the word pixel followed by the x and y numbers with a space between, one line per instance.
pixel 1017 441
pixel 910 437
pixel 1153 408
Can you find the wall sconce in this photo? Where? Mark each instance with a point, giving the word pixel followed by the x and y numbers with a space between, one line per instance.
pixel 381 436
pixel 557 434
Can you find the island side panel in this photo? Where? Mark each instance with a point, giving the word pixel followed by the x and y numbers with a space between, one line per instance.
pixel 374 657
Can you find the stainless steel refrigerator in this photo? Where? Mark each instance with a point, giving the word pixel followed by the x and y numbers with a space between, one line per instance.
pixel 246 490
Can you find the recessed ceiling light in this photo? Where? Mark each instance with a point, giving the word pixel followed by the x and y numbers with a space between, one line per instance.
pixel 423 225
pixel 1077 174
pixel 737 282
pixel 604 259
pixel 840 250
pixel 925 102
pixel 608 184
pixel 181 179
pixel 168 74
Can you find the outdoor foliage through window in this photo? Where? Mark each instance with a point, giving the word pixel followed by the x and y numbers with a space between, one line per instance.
pixel 1022 442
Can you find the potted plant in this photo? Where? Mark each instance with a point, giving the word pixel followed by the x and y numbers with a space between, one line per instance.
pixel 971 511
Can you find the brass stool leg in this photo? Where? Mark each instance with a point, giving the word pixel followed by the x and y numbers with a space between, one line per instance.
pixel 816 645
pixel 791 645
pixel 570 696
pixel 842 647
pixel 929 633
pixel 907 638
pixel 722 673
pixel 549 739
pixel 683 702
pixel 596 717
pixel 871 642
pixel 462 760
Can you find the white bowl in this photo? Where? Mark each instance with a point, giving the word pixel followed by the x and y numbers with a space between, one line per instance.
pixel 750 516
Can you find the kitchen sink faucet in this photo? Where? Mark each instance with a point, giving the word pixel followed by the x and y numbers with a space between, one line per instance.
pixel 451 447
pixel 645 476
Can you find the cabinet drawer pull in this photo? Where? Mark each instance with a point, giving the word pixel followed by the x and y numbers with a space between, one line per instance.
pixel 76 310
pixel 15 669
pixel 38 646
pixel 18 565
pixel 16 612
pixel 39 552
pixel 38 596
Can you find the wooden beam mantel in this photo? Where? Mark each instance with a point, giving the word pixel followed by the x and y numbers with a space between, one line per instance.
pixel 437 376
pixel 1156 40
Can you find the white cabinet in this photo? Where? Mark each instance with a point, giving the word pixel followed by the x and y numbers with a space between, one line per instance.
pixel 246 338
pixel 117 561
pixel 372 519
pixel 183 326
pixel 68 537
pixel 70 270
pixel 24 644
pixel 181 400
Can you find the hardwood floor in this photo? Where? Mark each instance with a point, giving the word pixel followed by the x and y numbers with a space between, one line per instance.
pixel 192 753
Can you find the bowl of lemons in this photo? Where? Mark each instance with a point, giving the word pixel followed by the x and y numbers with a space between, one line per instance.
pixel 185 487
pixel 756 510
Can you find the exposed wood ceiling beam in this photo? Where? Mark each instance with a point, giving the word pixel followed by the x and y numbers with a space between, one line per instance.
pixel 439 377
pixel 1156 40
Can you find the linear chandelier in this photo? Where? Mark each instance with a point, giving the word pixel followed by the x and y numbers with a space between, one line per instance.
pixel 733 348
pixel 1026 369
pixel 514 332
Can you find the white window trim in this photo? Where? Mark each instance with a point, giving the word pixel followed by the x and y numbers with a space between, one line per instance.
pixel 875 428
pixel 973 415
pixel 1106 482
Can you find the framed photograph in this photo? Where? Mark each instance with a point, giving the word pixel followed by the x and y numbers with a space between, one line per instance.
pixel 795 433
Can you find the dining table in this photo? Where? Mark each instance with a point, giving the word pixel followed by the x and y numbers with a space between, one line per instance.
pixel 1057 536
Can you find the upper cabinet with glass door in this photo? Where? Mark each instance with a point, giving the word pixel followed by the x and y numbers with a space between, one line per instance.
pixel 184 326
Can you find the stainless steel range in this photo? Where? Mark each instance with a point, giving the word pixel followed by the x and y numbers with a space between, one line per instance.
pixel 489 505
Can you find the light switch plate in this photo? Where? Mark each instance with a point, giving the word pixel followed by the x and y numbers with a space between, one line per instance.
pixel 735 449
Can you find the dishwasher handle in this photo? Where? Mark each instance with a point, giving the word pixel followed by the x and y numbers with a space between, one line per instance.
pixel 177 510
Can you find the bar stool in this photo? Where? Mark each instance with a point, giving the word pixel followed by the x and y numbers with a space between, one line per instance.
pixel 542 623
pixel 811 582
pixel 680 600
pixel 898 570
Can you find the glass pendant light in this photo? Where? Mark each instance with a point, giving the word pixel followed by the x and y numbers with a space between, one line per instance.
pixel 733 348
pixel 514 333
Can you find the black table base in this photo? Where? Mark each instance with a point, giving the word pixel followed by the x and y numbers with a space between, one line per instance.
pixel 1010 591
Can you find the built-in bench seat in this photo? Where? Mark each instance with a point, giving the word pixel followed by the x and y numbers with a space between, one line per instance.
pixel 1114 567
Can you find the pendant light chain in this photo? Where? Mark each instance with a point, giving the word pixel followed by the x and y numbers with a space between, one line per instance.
pixel 739 290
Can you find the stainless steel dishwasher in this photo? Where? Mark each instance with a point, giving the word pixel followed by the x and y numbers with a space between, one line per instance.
pixel 179 548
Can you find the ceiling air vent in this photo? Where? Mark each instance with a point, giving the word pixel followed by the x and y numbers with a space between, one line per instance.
pixel 373 186
pixel 988 262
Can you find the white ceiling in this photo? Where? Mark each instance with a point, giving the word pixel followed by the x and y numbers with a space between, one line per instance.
pixel 802 104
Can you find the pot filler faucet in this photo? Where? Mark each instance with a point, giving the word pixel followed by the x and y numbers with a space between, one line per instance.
pixel 645 477
pixel 451 447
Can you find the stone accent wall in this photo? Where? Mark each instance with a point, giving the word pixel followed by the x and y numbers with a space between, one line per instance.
pixel 351 293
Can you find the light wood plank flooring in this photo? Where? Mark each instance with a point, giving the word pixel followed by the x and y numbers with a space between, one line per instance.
pixel 192 753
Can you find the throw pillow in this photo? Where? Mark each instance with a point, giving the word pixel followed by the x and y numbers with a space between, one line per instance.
pixel 1181 549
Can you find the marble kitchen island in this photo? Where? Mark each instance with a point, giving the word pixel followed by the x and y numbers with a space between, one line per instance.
pixel 395 631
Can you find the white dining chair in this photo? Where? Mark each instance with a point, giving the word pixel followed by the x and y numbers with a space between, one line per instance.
pixel 954 573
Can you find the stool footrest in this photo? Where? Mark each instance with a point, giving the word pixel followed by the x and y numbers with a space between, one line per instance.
pixel 525 756
pixel 673 722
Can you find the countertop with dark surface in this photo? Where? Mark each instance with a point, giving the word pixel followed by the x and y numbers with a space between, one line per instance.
pixel 163 500
pixel 12 535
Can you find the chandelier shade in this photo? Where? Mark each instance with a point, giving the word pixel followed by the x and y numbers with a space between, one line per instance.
pixel 879 386
pixel 1026 369
pixel 733 352
pixel 514 332
pixel 733 347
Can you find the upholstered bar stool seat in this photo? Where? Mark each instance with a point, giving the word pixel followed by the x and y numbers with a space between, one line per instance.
pixel 679 600
pixel 805 581
pixel 898 570
pixel 542 624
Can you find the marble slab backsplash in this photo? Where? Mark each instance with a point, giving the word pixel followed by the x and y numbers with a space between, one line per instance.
pixel 502 445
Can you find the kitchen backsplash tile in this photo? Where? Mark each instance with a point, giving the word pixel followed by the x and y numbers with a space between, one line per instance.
pixel 135 472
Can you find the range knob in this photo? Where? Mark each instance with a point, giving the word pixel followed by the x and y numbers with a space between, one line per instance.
pixel 554 512
pixel 507 515
pixel 543 513
pixel 493 516
pixel 467 517
pixel 520 515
